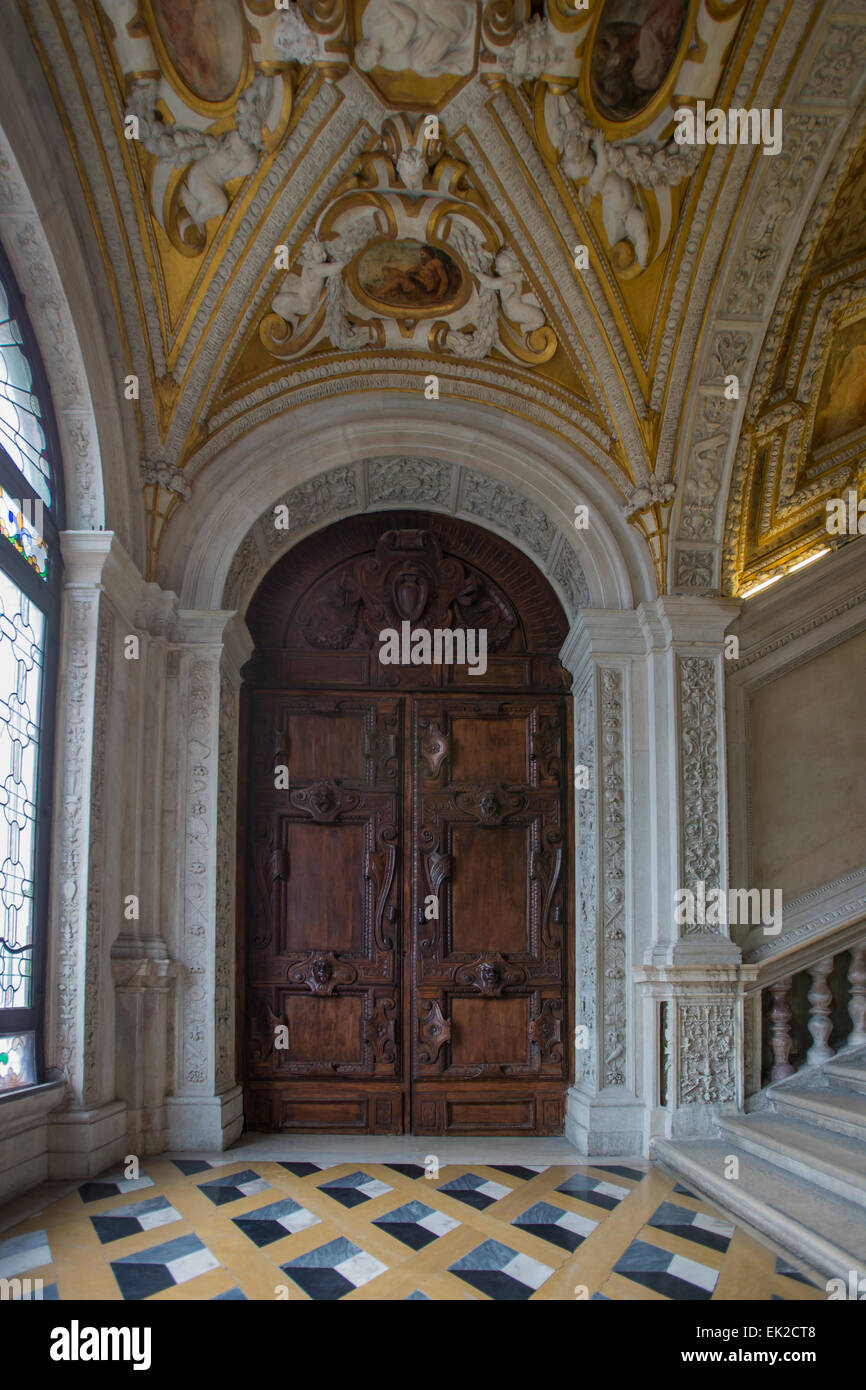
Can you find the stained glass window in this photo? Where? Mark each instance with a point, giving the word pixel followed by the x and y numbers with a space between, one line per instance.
pixel 21 432
pixel 17 527
pixel 30 565
pixel 17 1061
pixel 21 655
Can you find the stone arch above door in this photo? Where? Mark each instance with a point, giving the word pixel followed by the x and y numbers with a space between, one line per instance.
pixel 372 484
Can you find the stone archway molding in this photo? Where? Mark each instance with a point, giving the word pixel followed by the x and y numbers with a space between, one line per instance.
pixel 365 453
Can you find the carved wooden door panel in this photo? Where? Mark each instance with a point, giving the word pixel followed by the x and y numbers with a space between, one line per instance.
pixel 323 914
pixel 489 896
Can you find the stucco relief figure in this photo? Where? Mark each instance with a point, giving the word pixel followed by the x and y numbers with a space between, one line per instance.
pixel 300 291
pixel 622 215
pixel 427 37
pixel 212 160
pixel 522 308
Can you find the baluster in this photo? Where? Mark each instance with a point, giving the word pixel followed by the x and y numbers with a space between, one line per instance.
pixel 781 1041
pixel 857 999
pixel 820 1022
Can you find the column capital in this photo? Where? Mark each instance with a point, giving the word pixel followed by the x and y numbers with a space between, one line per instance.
pixel 680 620
pixel 602 632
pixel 84 556
pixel 222 630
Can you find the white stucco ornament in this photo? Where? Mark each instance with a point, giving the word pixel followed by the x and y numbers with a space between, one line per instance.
pixel 427 37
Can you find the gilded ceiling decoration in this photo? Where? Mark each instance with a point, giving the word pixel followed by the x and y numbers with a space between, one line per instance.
pixel 805 437
pixel 297 197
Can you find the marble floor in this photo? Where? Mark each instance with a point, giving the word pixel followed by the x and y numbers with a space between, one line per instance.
pixel 333 1218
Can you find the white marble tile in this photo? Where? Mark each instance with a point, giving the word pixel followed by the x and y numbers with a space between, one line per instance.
pixel 190 1266
pixel 690 1270
pixel 528 1271
pixel 361 1268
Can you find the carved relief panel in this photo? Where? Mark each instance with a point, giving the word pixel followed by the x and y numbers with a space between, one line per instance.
pixel 323 896
pixel 489 904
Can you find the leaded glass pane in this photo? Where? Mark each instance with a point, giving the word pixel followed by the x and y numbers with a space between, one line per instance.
pixel 21 432
pixel 17 1060
pixel 21 657
pixel 17 526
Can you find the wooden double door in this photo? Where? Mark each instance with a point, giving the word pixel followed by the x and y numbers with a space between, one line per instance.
pixel 404 913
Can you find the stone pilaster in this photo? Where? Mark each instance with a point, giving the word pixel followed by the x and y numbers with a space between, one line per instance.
pixel 205 1109
pixel 691 983
pixel 604 1111
pixel 87 1132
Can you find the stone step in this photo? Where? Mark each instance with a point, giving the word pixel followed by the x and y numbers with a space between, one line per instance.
pixel 832 1161
pixel 849 1072
pixel 812 1227
pixel 844 1112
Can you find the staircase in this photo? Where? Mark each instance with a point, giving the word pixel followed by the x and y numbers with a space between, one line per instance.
pixel 801 1183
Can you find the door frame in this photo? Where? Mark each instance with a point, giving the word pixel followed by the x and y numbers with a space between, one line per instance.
pixel 569 947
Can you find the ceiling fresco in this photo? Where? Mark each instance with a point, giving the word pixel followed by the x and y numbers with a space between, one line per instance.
pixel 297 196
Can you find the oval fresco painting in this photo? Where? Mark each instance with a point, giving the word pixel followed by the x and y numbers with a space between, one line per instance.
pixel 634 49
pixel 410 276
pixel 205 42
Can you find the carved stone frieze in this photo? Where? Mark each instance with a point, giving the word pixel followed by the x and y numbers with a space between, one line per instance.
pixel 340 491
pixel 613 825
pixel 495 501
pixel 696 570
pixel 707 1057
pixel 200 681
pixel 699 775
pixel 409 480
pixel 96 868
pixel 587 888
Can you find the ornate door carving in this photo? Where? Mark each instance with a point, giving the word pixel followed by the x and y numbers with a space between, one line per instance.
pixel 490 898
pixel 323 922
pixel 404 918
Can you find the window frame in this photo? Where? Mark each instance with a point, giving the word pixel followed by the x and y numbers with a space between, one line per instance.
pixel 46 595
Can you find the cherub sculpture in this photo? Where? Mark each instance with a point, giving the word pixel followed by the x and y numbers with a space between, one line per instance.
pixel 301 290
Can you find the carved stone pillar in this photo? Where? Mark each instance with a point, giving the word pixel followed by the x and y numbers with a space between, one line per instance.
pixel 691 982
pixel 205 1110
pixel 604 1111
pixel 87 1133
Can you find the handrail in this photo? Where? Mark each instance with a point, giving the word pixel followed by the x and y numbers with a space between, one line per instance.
pixel 808 935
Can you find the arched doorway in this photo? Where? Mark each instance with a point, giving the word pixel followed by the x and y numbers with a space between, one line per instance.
pixel 404 891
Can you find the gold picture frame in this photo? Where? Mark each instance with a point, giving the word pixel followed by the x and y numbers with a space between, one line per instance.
pixel 622 129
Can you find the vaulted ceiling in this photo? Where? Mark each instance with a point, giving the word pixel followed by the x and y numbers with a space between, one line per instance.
pixel 295 199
